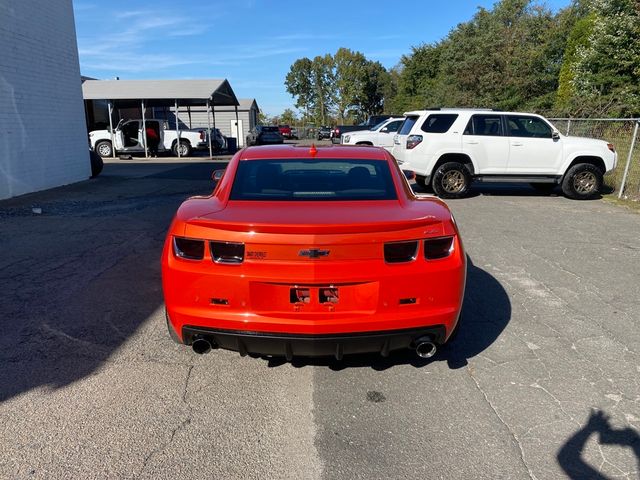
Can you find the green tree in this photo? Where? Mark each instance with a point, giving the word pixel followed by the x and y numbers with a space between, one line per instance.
pixel 289 117
pixel 370 97
pixel 350 69
pixel 606 74
pixel 299 83
pixel 323 81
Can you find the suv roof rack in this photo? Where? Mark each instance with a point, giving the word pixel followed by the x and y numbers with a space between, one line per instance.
pixel 461 108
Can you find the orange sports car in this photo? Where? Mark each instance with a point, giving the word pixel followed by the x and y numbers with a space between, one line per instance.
pixel 313 252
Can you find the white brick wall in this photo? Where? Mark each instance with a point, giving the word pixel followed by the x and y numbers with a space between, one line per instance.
pixel 43 135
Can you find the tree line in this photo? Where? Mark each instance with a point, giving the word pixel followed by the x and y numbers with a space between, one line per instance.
pixel 582 61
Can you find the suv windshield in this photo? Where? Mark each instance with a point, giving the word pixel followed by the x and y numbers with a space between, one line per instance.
pixel 270 129
pixel 379 125
pixel 308 179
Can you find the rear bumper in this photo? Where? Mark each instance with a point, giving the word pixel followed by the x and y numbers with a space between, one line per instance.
pixel 336 345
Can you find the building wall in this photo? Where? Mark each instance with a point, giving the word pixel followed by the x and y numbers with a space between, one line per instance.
pixel 43 135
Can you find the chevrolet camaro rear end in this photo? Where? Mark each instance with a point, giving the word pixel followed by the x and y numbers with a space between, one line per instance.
pixel 312 252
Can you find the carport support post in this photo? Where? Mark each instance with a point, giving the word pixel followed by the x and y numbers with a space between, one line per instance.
pixel 626 168
pixel 113 143
pixel 238 128
pixel 209 129
pixel 144 130
pixel 177 131
pixel 213 113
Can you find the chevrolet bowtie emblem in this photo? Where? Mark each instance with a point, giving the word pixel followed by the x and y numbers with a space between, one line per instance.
pixel 313 253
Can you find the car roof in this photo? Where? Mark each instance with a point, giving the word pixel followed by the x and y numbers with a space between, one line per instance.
pixel 305 151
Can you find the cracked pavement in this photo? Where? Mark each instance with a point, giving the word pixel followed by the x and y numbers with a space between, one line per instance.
pixel 542 380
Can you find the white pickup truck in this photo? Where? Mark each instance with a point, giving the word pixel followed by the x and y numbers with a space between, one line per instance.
pixel 129 137
pixel 380 135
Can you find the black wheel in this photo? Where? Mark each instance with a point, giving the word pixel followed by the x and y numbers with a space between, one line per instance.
pixel 582 181
pixel 451 180
pixel 103 148
pixel 96 163
pixel 185 149
pixel 544 187
pixel 172 332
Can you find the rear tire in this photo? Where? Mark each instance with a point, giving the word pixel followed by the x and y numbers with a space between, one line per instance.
pixel 451 180
pixel 103 148
pixel 582 181
pixel 185 149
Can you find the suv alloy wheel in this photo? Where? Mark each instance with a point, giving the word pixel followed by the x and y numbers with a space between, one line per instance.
pixel 451 180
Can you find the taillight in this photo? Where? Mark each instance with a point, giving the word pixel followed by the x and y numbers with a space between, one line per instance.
pixel 435 248
pixel 399 252
pixel 227 252
pixel 413 141
pixel 611 147
pixel 202 135
pixel 188 248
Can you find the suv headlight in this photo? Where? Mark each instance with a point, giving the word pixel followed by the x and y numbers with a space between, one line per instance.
pixel 346 138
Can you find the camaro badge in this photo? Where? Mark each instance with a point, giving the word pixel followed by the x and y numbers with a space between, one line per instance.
pixel 313 253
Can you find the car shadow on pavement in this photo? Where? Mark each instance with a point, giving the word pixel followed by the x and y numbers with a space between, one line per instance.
pixel 486 312
pixel 570 455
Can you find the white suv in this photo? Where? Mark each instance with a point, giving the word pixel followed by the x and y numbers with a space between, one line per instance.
pixel 450 148
pixel 380 135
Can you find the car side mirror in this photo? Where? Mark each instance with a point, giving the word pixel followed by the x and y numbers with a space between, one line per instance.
pixel 409 174
pixel 555 135
pixel 217 175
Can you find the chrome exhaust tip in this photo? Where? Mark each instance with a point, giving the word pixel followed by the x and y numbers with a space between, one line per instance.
pixel 425 348
pixel 201 346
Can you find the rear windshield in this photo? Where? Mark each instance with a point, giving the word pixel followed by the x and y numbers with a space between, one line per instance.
pixel 308 179
pixel 439 122
pixel 407 125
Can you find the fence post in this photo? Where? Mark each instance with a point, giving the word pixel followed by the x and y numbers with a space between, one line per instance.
pixel 626 168
pixel 568 126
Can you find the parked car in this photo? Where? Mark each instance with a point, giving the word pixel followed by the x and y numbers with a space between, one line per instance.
pixel 324 132
pixel 380 135
pixel 339 130
pixel 129 137
pixel 449 149
pixel 264 135
pixel 294 133
pixel 372 121
pixel 313 252
pixel 285 131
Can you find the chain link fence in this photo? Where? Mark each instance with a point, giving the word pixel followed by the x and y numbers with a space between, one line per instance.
pixel 623 133
pixel 306 132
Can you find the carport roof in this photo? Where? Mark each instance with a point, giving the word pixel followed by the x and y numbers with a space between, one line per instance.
pixel 157 93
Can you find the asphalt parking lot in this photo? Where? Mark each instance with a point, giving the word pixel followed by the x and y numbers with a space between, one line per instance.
pixel 542 381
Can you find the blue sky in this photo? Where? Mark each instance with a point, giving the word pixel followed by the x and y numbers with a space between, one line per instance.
pixel 253 43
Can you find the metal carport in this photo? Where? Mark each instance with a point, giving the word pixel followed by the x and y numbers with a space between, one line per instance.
pixel 161 93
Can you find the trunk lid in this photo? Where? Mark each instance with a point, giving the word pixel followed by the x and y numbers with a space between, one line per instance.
pixel 321 217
